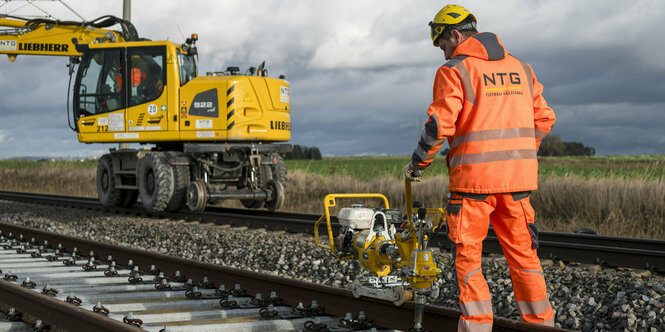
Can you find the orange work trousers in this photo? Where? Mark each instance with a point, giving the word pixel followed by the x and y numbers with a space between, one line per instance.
pixel 512 218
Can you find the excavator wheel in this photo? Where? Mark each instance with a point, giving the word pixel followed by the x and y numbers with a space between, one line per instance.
pixel 277 195
pixel 181 182
pixel 196 196
pixel 129 197
pixel 107 193
pixel 155 182
pixel 252 204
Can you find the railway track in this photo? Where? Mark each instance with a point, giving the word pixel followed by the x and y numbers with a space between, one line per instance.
pixel 48 277
pixel 582 248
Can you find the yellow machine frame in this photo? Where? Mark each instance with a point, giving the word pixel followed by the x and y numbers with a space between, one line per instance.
pixel 410 246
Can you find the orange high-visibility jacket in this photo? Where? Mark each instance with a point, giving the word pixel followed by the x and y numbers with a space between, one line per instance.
pixel 489 106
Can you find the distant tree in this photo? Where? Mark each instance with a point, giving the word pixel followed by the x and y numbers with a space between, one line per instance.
pixel 303 152
pixel 578 149
pixel 551 146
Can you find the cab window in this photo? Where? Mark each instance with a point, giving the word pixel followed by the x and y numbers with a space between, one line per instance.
pixel 100 88
pixel 146 74
pixel 187 68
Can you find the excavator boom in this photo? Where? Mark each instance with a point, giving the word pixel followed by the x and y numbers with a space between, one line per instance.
pixel 59 38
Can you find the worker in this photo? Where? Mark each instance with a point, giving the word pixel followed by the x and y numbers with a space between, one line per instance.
pixel 489 106
pixel 138 75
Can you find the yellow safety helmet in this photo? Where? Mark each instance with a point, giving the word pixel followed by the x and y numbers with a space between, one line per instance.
pixel 447 16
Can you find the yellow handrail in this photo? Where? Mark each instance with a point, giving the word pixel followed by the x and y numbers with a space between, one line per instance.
pixel 328 202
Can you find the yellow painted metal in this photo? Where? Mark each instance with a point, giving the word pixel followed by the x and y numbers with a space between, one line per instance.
pixel 251 108
pixel 5 22
pixel 330 201
pixel 46 39
pixel 411 255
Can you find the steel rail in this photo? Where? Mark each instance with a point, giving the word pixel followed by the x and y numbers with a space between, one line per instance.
pixel 336 301
pixel 568 247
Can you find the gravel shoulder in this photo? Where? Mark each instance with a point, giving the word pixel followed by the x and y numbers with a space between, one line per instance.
pixel 585 297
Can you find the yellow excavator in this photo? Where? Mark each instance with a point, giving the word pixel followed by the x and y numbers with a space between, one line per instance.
pixel 211 137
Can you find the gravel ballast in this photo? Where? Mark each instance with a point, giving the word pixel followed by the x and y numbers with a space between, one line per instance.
pixel 585 297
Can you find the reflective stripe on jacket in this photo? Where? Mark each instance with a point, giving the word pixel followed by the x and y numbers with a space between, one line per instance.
pixel 489 105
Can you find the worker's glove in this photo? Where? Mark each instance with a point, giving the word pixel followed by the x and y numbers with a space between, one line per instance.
pixel 412 173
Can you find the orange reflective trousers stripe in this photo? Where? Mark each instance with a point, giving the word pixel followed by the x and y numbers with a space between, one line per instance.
pixel 512 218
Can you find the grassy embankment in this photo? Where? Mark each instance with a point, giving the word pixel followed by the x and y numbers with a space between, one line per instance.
pixel 622 196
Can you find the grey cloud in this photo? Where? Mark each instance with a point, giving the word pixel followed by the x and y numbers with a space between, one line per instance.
pixel 361 73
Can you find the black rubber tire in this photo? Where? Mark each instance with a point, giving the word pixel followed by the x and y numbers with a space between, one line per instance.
pixel 155 182
pixel 107 193
pixel 252 204
pixel 279 172
pixel 181 182
pixel 129 197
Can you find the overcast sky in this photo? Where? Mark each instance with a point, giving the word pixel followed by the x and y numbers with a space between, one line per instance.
pixel 361 72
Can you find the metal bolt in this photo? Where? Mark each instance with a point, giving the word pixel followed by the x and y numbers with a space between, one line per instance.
pixel 258 296
pixel 237 287
pixel 348 316
pixel 273 295
pixel 109 258
pixel 315 304
pixel 361 316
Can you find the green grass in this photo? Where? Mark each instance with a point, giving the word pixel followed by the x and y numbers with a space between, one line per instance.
pixel 647 167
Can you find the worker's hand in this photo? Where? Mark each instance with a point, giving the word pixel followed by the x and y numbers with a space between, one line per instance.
pixel 412 173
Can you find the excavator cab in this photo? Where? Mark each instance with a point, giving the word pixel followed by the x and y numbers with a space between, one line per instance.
pixel 121 81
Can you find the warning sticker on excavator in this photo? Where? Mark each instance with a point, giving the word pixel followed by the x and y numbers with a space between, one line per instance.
pixel 7 45
pixel 116 122
pixel 204 124
pixel 284 94
pixel 103 121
